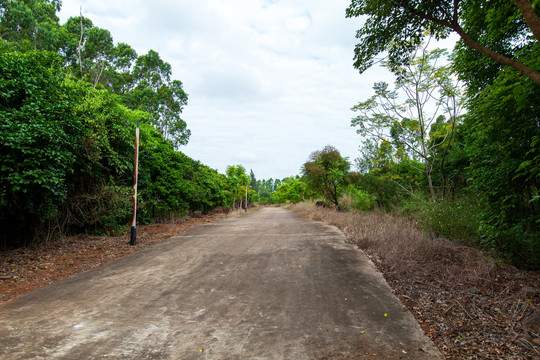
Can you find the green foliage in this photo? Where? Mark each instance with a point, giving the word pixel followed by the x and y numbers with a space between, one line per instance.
pixel 489 159
pixel 31 25
pixel 494 29
pixel 357 199
pixel 326 173
pixel 144 82
pixel 173 183
pixel 60 139
pixel 290 191
pixel 456 219
pixel 36 134
pixel 501 26
pixel 516 244
pixel 504 162
pixel 69 103
pixel 253 181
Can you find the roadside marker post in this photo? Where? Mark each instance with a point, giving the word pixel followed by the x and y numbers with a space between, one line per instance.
pixel 133 240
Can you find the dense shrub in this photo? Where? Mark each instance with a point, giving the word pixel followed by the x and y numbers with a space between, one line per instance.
pixel 67 155
pixel 357 199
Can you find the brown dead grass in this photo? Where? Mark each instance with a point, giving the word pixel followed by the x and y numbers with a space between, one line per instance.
pixel 470 306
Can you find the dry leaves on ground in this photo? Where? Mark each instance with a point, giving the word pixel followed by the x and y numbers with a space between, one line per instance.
pixel 470 306
pixel 25 269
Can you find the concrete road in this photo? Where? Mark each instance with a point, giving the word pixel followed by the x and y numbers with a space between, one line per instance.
pixel 268 285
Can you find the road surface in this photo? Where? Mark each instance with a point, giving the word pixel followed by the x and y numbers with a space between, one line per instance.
pixel 267 285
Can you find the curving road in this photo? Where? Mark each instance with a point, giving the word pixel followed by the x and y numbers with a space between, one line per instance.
pixel 267 285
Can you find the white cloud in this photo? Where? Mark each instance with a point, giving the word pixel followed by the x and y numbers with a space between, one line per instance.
pixel 269 82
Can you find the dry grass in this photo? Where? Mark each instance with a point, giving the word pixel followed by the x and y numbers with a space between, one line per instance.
pixel 472 307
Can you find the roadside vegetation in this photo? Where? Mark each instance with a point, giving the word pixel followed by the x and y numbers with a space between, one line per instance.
pixel 471 306
pixel 70 100
pixel 453 143
pixel 443 196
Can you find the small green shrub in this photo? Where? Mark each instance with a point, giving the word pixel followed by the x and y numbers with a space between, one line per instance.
pixel 515 245
pixel 357 199
pixel 455 219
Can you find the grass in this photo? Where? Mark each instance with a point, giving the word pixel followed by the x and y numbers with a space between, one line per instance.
pixel 399 241
pixel 471 306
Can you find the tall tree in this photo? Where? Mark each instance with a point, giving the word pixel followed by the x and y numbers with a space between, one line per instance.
pixel 254 184
pixel 502 147
pixel 291 190
pixel 415 127
pixel 499 30
pixel 33 23
pixel 153 91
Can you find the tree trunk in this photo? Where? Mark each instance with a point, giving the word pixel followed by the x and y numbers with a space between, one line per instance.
pixel 430 183
pixel 530 16
pixel 80 46
pixel 503 60
pixel 522 68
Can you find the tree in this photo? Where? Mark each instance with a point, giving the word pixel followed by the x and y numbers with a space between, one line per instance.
pixel 72 37
pixel 291 190
pixel 326 172
pixel 143 82
pixel 266 189
pixel 69 102
pixel 91 54
pixel 499 30
pixel 65 148
pixel 254 184
pixel 37 134
pixel 238 179
pixel 502 146
pixel 33 23
pixel 152 90
pixel 415 127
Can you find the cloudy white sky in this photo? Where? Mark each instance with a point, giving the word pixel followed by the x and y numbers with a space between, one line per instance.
pixel 269 81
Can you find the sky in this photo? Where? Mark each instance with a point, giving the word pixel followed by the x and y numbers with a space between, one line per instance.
pixel 269 81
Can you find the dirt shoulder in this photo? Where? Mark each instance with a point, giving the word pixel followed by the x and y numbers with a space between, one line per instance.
pixel 26 269
pixel 472 307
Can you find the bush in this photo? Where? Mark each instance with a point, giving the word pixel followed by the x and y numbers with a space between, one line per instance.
pixel 455 219
pixel 384 193
pixel 37 135
pixel 515 245
pixel 357 199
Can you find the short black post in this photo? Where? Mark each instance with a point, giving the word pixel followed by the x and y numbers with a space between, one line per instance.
pixel 133 240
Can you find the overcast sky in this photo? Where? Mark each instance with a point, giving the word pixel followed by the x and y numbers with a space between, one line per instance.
pixel 269 81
